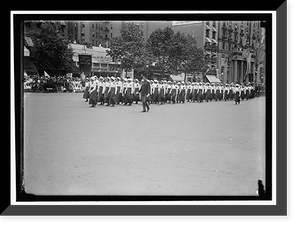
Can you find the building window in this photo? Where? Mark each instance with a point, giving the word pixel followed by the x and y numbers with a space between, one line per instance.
pixel 214 24
pixel 92 25
pixel 207 34
pixel 111 35
pixel 214 35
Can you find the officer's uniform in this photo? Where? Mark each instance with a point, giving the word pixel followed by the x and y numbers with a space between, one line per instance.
pixel 145 92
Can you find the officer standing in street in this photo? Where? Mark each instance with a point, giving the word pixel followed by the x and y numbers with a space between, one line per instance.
pixel 145 93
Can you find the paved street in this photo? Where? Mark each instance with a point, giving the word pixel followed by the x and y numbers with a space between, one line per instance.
pixel 214 148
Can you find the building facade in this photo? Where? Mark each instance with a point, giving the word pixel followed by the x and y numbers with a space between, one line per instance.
pixel 237 51
pixel 234 50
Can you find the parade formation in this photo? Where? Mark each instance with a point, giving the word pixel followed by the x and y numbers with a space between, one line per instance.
pixel 112 91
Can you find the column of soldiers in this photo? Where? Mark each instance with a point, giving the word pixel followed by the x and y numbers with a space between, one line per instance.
pixel 110 91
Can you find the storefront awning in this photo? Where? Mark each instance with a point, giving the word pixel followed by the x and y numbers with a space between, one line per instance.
pixel 28 65
pixel 26 52
pixel 177 77
pixel 213 79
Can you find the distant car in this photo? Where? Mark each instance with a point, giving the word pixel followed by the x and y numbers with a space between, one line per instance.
pixel 46 86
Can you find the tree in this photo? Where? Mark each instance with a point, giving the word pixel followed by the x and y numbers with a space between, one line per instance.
pixel 175 53
pixel 129 48
pixel 51 46
pixel 194 62
pixel 159 45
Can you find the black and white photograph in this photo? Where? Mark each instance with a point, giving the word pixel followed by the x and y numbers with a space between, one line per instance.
pixel 144 108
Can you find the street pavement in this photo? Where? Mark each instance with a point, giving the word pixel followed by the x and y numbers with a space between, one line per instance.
pixel 215 148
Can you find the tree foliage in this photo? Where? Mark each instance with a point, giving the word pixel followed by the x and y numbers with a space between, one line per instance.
pixel 175 53
pixel 129 48
pixel 51 46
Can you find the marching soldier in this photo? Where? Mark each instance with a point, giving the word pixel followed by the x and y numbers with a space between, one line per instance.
pixel 231 95
pixel 86 89
pixel 173 92
pixel 182 92
pixel 161 92
pixel 119 90
pixel 106 89
pixel 150 97
pixel 168 91
pixel 213 91
pixel 101 90
pixel 217 92
pixel 189 95
pixel 177 91
pixel 201 94
pixel 112 92
pixel 195 87
pixel 222 87
pixel 226 92
pixel 124 87
pixel 207 91
pixel 243 91
pixel 237 93
pixel 252 91
pixel 145 93
pixel 155 91
pixel 136 89
pixel 93 92
pixel 246 92
pixel 128 92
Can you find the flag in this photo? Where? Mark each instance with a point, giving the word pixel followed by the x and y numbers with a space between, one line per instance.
pixel 244 40
pixel 46 74
pixel 69 75
pixel 245 53
pixel 248 64
pixel 25 74
pixel 82 75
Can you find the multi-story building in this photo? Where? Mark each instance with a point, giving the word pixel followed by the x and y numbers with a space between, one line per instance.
pixel 86 32
pixel 204 32
pixel 238 42
pixel 233 49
